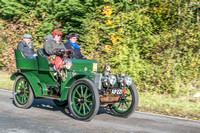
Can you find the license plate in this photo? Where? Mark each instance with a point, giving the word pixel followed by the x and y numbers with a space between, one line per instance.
pixel 116 91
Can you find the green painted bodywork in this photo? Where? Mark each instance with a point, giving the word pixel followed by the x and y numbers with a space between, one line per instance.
pixel 40 75
pixel 23 63
pixel 43 63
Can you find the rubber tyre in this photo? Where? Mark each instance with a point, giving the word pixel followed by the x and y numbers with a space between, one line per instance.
pixel 95 98
pixel 30 95
pixel 61 103
pixel 133 106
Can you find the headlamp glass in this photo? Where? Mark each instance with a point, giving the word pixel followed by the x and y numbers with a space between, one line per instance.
pixel 112 79
pixel 67 64
pixel 108 68
pixel 128 80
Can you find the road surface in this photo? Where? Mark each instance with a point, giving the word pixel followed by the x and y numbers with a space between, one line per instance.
pixel 45 117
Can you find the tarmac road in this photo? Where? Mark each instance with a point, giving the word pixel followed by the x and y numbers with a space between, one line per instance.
pixel 45 117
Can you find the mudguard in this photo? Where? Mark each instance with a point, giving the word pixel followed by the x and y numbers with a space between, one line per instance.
pixel 66 86
pixel 38 88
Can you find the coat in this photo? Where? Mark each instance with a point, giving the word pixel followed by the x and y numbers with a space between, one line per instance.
pixel 50 45
pixel 76 53
pixel 25 49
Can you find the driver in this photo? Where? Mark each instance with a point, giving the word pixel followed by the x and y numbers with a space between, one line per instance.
pixel 55 48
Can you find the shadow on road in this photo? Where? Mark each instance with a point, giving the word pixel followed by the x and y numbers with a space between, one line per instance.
pixel 48 104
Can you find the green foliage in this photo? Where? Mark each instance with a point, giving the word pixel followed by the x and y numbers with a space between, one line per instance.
pixel 154 41
pixel 11 34
pixel 157 45
pixel 65 15
pixel 3 42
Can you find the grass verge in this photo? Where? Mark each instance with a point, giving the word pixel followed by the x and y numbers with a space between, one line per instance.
pixel 164 104
pixel 148 102
pixel 5 82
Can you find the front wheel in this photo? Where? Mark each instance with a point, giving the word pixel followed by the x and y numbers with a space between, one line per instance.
pixel 22 92
pixel 127 104
pixel 83 100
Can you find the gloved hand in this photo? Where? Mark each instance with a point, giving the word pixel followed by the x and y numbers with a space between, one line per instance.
pixel 62 50
pixel 55 51
pixel 58 51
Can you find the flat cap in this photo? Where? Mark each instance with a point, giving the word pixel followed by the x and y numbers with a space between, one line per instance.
pixel 48 37
pixel 27 36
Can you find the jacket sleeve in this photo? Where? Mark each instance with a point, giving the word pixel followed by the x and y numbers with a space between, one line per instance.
pixel 34 52
pixel 20 47
pixel 80 55
pixel 67 46
pixel 48 48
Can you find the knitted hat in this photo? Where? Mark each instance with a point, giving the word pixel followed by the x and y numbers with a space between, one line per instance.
pixel 27 36
pixel 48 37
pixel 56 32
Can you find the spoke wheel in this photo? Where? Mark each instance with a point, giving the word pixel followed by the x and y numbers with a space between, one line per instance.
pixel 22 92
pixel 60 103
pixel 83 100
pixel 127 104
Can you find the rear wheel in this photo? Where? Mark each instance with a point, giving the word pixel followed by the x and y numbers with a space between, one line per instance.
pixel 22 92
pixel 60 103
pixel 83 100
pixel 127 104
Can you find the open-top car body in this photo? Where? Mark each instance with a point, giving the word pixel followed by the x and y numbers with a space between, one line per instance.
pixel 79 84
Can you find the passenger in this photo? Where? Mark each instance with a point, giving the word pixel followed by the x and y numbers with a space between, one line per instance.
pixel 48 37
pixel 26 47
pixel 54 48
pixel 72 45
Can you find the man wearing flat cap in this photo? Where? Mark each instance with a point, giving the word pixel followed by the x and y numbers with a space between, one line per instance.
pixel 26 47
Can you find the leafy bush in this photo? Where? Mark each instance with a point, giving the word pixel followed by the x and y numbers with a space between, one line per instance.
pixel 161 53
pixel 154 41
pixel 13 33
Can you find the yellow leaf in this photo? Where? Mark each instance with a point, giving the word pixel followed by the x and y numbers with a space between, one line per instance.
pixel 109 22
pixel 43 15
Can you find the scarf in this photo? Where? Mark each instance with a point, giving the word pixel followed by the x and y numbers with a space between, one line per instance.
pixel 74 45
pixel 58 42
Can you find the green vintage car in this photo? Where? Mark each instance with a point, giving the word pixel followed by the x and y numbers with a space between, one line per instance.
pixel 79 85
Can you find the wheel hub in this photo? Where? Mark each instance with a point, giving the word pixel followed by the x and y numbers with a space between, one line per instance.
pixel 22 91
pixel 82 100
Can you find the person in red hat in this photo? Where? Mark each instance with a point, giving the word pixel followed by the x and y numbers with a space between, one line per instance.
pixel 54 43
pixel 54 48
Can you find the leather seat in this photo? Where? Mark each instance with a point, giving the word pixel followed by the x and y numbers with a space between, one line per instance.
pixel 43 53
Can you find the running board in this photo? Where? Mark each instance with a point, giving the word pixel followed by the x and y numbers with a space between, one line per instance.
pixel 50 97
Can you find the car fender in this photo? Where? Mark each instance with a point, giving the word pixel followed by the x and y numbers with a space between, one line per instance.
pixel 66 87
pixel 32 79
